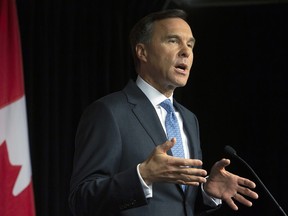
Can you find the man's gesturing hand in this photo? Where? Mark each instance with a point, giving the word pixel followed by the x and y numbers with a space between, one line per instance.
pixel 228 186
pixel 160 167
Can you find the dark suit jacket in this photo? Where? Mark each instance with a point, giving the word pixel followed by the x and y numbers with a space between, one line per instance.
pixel 116 133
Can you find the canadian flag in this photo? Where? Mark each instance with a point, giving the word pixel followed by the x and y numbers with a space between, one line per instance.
pixel 16 190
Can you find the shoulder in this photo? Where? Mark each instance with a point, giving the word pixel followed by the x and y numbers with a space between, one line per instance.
pixel 116 102
pixel 106 104
pixel 183 110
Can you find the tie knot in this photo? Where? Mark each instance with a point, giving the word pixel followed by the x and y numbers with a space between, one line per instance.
pixel 167 105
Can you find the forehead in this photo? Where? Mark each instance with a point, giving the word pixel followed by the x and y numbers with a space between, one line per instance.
pixel 172 26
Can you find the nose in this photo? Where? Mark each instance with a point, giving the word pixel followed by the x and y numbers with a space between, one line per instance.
pixel 185 51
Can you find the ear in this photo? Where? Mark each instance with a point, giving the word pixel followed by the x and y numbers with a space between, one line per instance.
pixel 141 52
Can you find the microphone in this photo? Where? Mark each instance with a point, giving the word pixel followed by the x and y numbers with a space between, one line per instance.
pixel 232 152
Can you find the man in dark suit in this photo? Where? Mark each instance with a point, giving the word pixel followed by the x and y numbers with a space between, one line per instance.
pixel 124 162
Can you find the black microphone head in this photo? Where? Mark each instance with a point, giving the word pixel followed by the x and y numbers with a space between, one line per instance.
pixel 230 150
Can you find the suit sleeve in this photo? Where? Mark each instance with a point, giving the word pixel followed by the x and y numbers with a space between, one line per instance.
pixel 97 186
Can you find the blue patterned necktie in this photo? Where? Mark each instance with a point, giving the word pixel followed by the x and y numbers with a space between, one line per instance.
pixel 172 128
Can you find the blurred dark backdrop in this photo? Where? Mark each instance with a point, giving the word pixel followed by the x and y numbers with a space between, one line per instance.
pixel 77 51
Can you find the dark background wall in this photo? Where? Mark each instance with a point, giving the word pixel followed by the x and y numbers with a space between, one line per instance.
pixel 77 51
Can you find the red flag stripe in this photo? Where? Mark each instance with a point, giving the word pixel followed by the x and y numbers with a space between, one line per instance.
pixel 16 186
pixel 11 69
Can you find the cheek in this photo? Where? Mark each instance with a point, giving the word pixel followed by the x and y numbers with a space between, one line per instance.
pixel 164 62
pixel 191 59
pixel 169 59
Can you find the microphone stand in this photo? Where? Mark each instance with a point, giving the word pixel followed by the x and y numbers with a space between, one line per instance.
pixel 233 153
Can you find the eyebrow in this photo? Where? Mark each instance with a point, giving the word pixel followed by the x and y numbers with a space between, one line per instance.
pixel 193 40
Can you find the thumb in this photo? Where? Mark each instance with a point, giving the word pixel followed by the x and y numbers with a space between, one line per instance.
pixel 167 145
pixel 222 163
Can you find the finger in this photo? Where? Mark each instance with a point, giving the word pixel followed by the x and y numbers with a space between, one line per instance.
pixel 246 182
pixel 186 174
pixel 248 192
pixel 242 199
pixel 196 183
pixel 222 163
pixel 231 203
pixel 163 148
pixel 186 162
pixel 190 180
pixel 192 171
pixel 192 176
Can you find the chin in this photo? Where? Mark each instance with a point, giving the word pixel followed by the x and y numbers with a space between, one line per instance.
pixel 181 83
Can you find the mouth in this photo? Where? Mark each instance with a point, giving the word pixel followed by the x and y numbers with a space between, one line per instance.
pixel 181 68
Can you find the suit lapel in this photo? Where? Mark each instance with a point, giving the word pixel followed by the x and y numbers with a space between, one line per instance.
pixel 145 113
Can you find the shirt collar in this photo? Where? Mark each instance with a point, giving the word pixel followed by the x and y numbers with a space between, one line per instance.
pixel 151 93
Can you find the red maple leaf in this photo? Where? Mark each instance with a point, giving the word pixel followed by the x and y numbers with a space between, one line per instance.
pixel 10 205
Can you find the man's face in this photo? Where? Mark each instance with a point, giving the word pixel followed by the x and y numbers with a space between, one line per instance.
pixel 169 56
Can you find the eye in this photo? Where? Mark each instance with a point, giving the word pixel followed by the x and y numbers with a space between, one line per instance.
pixel 190 45
pixel 172 40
